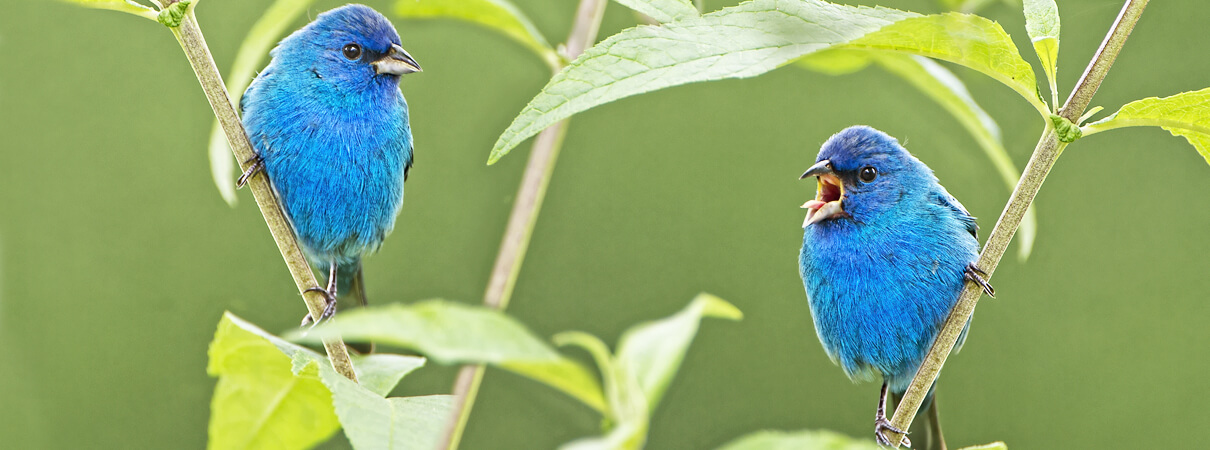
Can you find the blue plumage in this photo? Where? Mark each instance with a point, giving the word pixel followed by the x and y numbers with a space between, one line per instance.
pixel 886 252
pixel 330 128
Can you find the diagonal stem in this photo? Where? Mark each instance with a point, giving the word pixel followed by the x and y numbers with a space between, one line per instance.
pixel 189 34
pixel 1044 157
pixel 521 222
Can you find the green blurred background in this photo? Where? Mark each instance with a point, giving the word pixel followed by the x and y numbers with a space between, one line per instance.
pixel 117 255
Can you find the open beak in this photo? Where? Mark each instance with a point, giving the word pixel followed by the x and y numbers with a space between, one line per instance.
pixel 829 194
pixel 396 62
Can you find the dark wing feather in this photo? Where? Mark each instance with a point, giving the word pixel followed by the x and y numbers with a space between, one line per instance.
pixel 947 200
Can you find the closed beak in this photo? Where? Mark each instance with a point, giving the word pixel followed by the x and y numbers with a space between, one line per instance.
pixel 396 62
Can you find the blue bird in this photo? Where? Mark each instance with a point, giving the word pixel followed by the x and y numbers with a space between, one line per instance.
pixel 886 252
pixel 330 129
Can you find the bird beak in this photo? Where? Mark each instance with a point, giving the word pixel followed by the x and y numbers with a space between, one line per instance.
pixel 396 62
pixel 829 194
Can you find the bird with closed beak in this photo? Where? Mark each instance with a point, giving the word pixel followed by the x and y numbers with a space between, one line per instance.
pixel 886 253
pixel 330 129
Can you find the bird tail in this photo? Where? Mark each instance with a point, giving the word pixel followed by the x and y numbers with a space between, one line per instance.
pixel 351 294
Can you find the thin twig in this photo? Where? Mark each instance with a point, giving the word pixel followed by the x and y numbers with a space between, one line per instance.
pixel 190 37
pixel 1044 157
pixel 521 222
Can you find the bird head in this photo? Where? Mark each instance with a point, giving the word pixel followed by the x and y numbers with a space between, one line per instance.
pixel 862 174
pixel 352 47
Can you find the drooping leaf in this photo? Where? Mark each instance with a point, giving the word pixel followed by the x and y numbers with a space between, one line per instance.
pixel 454 333
pixel 126 6
pixel 964 39
pixel 836 61
pixel 653 351
pixel 1042 23
pixel 662 10
pixel 498 15
pixel 799 440
pixel 264 34
pixel 941 85
pixel 1186 114
pixel 755 37
pixel 262 399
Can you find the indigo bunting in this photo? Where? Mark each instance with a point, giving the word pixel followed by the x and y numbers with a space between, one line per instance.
pixel 330 129
pixel 886 252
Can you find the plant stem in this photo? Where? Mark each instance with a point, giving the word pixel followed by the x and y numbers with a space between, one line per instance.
pixel 190 37
pixel 521 222
pixel 1044 157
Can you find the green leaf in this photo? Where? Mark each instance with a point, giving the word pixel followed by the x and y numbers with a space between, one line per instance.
pixel 653 351
pixel 799 440
pixel 836 62
pixel 1042 23
pixel 499 15
pixel 1186 114
pixel 454 333
pixel 662 10
pixel 941 85
pixel 967 40
pixel 991 446
pixel 264 34
pixel 126 6
pixel 380 372
pixel 263 399
pixel 635 379
pixel 755 37
pixel 373 422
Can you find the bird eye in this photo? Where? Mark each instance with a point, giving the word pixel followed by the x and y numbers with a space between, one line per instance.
pixel 352 51
pixel 868 174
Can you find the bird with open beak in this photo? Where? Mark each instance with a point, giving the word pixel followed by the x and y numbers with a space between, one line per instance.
pixel 886 252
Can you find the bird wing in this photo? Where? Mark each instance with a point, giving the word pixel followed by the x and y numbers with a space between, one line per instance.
pixel 947 200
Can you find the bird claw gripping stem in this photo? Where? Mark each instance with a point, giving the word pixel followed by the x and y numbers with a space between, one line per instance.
pixel 329 308
pixel 882 425
pixel 258 165
pixel 974 273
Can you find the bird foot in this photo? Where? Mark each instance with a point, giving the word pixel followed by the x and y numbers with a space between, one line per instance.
pixel 329 309
pixel 258 165
pixel 881 426
pixel 974 273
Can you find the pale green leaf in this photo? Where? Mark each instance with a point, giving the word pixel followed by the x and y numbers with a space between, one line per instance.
pixel 380 372
pixel 263 400
pixel 941 85
pixel 373 422
pixel 653 351
pixel 755 37
pixel 742 41
pixel 1042 23
pixel 264 33
pixel 125 6
pixel 836 61
pixel 625 436
pixel 498 15
pixel 799 440
pixel 662 10
pixel 967 40
pixel 991 446
pixel 455 333
pixel 565 375
pixel 1186 114
pixel 627 416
